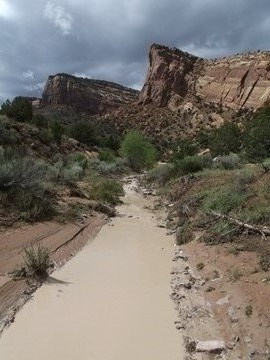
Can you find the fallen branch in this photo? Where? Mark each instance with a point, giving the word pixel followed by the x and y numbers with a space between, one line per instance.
pixel 263 231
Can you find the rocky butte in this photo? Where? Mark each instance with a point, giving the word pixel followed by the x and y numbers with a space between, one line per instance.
pixel 92 96
pixel 240 81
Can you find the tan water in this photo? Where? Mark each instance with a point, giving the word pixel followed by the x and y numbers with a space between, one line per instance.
pixel 110 302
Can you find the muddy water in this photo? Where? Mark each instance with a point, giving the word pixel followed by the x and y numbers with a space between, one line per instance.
pixel 110 302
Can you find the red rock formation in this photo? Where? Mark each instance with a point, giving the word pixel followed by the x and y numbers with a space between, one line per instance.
pixel 170 76
pixel 92 96
pixel 236 82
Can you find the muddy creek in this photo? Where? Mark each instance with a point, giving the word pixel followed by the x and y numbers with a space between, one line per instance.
pixel 110 302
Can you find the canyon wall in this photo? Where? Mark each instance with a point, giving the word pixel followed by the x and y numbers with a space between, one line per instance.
pixel 234 82
pixel 92 96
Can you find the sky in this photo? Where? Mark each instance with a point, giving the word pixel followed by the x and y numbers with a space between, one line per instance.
pixel 110 39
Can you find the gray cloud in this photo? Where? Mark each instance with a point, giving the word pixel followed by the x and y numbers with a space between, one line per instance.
pixel 109 39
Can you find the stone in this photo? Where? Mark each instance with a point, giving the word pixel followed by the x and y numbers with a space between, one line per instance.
pixel 211 346
pixel 92 96
pixel 223 301
pixel 235 82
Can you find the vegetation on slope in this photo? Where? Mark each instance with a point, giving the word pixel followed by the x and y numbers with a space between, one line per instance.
pixel 226 198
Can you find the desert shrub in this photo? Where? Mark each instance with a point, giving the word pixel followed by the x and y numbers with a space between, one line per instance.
pixel 107 156
pixel 71 174
pixel 40 121
pixel 225 140
pixel 33 205
pixel 256 136
pixel 243 179
pixel 45 136
pixel 7 136
pixel 264 262
pixel 222 200
pixel 220 232
pixel 23 186
pixel 68 170
pixel 188 165
pixel 57 131
pixel 203 138
pixel 84 132
pixel 79 158
pixel 257 214
pixel 107 190
pixel 184 234
pixel 138 151
pixel 183 148
pixel 36 262
pixel 22 172
pixel 161 173
pixel 206 161
pixel 227 162
pixel 19 109
pixel 119 166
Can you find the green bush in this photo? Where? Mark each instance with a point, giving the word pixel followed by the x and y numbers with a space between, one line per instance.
pixel 84 132
pixel 23 186
pixel 40 121
pixel 106 190
pixel 183 148
pixel 225 140
pixel 256 136
pixel 45 136
pixel 19 171
pixel 57 131
pixel 138 151
pixel 33 205
pixel 7 136
pixel 107 156
pixel 188 165
pixel 19 109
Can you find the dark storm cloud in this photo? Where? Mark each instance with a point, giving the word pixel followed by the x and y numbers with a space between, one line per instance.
pixel 109 39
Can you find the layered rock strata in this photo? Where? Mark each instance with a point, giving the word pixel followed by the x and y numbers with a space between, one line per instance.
pixel 235 82
pixel 92 96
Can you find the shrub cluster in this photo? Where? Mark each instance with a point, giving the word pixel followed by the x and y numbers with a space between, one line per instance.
pixel 138 151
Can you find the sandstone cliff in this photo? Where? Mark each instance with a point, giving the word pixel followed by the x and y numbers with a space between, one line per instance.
pixel 92 96
pixel 235 82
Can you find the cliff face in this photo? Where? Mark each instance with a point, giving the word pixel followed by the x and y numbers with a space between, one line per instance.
pixel 92 96
pixel 170 76
pixel 234 82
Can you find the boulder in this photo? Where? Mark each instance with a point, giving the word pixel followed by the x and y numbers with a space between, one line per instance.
pixel 211 346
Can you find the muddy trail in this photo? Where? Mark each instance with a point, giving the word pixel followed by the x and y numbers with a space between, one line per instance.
pixel 111 301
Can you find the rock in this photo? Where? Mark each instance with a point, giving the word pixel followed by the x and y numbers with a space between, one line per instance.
pixel 92 96
pixel 223 301
pixel 237 81
pixel 231 312
pixel 211 346
pixel 188 285
pixel 180 327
